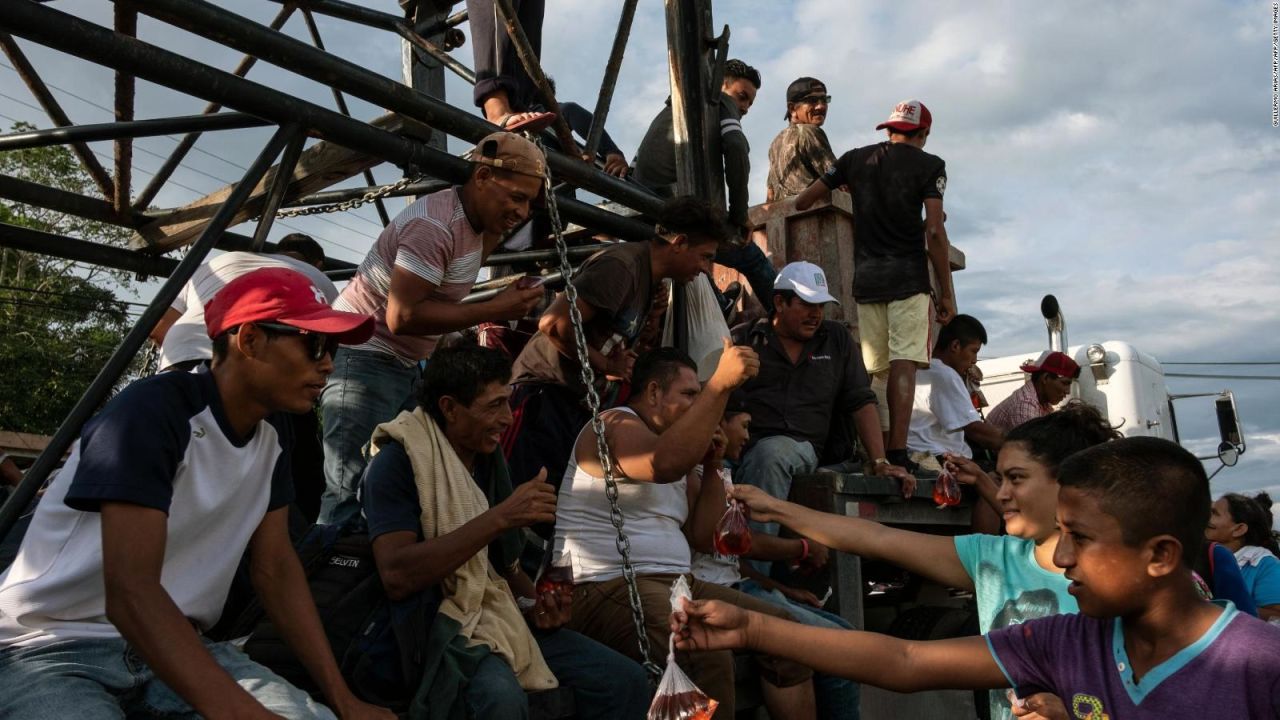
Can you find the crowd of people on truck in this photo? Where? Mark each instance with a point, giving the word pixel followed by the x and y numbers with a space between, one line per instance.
pixel 1108 582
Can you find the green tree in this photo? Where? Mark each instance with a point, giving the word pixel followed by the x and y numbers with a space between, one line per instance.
pixel 59 320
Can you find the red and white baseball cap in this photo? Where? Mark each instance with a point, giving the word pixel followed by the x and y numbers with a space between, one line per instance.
pixel 1052 361
pixel 283 296
pixel 908 115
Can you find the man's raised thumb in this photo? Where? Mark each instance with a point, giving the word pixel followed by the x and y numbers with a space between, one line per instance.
pixel 541 476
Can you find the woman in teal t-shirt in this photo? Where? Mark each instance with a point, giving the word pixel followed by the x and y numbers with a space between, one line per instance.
pixel 1243 525
pixel 1013 577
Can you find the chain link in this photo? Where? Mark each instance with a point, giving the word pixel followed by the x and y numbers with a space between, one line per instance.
pixel 588 376
pixel 368 197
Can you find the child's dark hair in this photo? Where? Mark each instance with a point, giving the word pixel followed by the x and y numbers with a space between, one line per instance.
pixel 687 215
pixel 1149 485
pixel 461 372
pixel 735 68
pixel 736 405
pixel 1255 513
pixel 660 365
pixel 1052 438
pixel 964 328
pixel 304 245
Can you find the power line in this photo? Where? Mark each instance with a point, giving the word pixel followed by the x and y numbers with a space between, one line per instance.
pixel 190 168
pixel 1221 362
pixel 1223 377
pixel 19 288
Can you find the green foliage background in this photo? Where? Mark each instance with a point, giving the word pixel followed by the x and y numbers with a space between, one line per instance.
pixel 59 321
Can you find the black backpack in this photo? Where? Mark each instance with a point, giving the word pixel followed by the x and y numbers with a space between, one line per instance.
pixel 353 609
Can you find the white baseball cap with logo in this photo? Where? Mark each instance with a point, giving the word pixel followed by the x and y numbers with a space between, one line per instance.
pixel 807 281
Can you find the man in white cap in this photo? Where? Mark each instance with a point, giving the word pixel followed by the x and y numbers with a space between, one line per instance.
pixel 412 282
pixel 892 183
pixel 811 391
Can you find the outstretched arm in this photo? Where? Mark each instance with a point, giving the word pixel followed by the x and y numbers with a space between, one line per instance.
pixel 880 660
pixel 933 556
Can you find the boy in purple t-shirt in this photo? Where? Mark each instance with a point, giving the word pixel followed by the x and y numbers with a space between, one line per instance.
pixel 1145 645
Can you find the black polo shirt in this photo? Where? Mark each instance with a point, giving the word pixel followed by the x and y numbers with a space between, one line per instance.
pixel 805 400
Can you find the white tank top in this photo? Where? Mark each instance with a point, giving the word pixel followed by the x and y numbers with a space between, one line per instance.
pixel 653 515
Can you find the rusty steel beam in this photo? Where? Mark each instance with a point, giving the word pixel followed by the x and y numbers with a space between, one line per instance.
pixel 341 102
pixel 423 45
pixel 189 140
pixel 50 104
pixel 126 20
pixel 610 80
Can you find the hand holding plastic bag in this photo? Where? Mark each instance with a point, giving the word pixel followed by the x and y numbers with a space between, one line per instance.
pixel 733 535
pixel 946 491
pixel 677 697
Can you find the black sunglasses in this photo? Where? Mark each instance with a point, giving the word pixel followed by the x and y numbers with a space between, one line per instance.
pixel 816 99
pixel 318 344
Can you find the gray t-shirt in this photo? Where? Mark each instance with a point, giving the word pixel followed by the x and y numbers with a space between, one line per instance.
pixel 655 161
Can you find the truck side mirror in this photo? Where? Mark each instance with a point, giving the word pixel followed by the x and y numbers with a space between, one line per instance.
pixel 1228 421
pixel 1228 454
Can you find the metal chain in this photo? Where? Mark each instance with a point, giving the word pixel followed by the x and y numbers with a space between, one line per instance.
pixel 588 376
pixel 368 197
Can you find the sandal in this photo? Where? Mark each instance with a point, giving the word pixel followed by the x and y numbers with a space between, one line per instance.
pixel 532 122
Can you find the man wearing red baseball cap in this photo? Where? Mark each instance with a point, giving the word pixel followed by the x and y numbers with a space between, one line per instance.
pixel 134 545
pixel 1048 383
pixel 893 183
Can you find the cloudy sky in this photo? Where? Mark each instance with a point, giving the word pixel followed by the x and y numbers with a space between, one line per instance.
pixel 1119 155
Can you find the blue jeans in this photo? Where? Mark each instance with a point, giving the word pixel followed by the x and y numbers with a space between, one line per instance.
pixel 605 683
pixel 769 465
pixel 836 697
pixel 104 679
pixel 366 388
pixel 752 263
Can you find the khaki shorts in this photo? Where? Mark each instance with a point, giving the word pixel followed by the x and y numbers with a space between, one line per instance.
pixel 898 330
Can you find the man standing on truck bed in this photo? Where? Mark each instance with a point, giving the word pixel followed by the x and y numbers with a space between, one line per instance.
pixel 891 183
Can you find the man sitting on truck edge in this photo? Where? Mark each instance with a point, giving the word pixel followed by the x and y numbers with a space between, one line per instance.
pixel 1048 383
pixel 810 396
pixel 133 549
pixel 892 182
pixel 801 153
pixel 943 419
pixel 656 441
pixel 437 558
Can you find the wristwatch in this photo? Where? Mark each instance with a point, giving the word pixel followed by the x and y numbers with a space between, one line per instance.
pixel 881 461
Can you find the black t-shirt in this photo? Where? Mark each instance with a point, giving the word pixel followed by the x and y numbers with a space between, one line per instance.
pixel 889 183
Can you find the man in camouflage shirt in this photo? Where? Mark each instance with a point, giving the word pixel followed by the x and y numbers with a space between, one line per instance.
pixel 801 153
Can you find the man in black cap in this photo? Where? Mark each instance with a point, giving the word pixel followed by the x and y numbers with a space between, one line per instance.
pixel 801 153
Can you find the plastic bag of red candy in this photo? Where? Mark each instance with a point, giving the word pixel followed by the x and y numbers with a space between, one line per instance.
pixel 946 489
pixel 733 535
pixel 677 697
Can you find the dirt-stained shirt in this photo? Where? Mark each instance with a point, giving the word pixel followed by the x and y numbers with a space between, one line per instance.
pixel 798 156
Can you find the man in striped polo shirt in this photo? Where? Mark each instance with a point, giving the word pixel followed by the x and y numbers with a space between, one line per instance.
pixel 412 282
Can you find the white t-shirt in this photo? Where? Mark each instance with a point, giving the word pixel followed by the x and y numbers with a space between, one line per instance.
pixel 164 442
pixel 188 338
pixel 942 409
